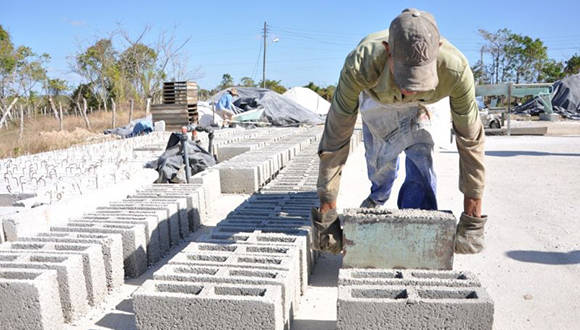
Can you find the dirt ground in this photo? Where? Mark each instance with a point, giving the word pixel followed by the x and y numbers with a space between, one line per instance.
pixel 531 266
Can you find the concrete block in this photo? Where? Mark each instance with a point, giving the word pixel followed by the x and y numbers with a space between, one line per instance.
pixel 210 181
pixel 239 276
pixel 152 235
pixel 168 219
pixel 93 262
pixel 30 299
pixel 195 305
pixel 70 278
pixel 181 203
pixel 134 242
pixel 406 277
pixel 408 307
pixel 406 238
pixel 239 180
pixel 171 210
pixel 161 215
pixel 195 198
pixel 112 248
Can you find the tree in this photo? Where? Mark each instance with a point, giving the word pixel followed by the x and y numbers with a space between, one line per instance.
pixel 275 86
pixel 527 56
pixel 572 65
pixel 247 82
pixel 496 47
pixel 227 82
pixel 551 71
pixel 326 93
pixel 97 65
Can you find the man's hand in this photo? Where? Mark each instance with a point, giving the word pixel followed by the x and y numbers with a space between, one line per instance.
pixel 472 207
pixel 325 207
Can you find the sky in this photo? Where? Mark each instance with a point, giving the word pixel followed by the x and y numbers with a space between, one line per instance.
pixel 306 40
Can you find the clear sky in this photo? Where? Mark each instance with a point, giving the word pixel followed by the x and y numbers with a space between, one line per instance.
pixel 312 37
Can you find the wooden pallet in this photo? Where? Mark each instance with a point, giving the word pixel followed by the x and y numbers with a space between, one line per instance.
pixel 180 92
pixel 174 115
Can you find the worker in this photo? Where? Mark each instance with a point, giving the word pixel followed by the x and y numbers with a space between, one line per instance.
pixel 391 77
pixel 225 107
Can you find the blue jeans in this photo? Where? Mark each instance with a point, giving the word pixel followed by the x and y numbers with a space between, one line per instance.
pixel 419 189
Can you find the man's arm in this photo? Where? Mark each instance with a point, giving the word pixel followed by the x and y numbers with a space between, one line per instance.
pixel 361 70
pixel 470 138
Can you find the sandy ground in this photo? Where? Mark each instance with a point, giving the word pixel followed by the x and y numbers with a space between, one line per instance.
pixel 530 266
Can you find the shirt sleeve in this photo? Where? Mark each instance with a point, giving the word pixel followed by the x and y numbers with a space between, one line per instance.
pixel 361 70
pixel 470 136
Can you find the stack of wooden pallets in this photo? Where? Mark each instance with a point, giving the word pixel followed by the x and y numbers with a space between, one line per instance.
pixel 179 104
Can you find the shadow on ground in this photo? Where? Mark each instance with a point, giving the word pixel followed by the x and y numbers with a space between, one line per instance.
pixel 546 258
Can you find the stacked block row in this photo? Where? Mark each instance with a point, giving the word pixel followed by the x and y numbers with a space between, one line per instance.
pixel 92 254
pixel 412 299
pixel 262 249
pixel 253 169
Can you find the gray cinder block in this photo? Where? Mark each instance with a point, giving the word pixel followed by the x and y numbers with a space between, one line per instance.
pixel 70 278
pixel 408 307
pixel 185 305
pixel 152 236
pixel 403 277
pixel 239 276
pixel 179 202
pixel 92 256
pixel 111 244
pixel 406 238
pixel 30 299
pixel 134 242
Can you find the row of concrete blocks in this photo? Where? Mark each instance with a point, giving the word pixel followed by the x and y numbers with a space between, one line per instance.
pixel 412 299
pixel 248 273
pixel 261 138
pixel 92 254
pixel 251 170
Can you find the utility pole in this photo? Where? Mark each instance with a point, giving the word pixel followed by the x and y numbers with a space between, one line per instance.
pixel 264 64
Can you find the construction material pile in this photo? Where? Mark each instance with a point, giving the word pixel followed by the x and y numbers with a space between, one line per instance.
pixel 308 99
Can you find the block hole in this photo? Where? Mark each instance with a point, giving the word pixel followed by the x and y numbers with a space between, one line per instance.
pixel 251 273
pixel 18 275
pixel 266 249
pixel 70 247
pixel 95 236
pixel 8 258
pixel 444 294
pixel 276 239
pixel 203 257
pixel 47 259
pixel 440 275
pixel 254 260
pixel 178 288
pixel 53 235
pixel 28 246
pixel 196 270
pixel 217 247
pixel 378 275
pixel 230 291
pixel 380 294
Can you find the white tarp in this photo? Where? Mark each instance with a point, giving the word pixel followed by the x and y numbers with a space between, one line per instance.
pixel 308 99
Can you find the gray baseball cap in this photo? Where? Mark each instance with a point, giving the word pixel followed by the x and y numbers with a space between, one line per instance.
pixel 414 44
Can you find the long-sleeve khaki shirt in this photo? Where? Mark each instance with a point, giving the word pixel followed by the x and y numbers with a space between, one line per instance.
pixel 367 69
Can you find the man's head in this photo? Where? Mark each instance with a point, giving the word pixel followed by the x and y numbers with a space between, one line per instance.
pixel 414 47
pixel 233 91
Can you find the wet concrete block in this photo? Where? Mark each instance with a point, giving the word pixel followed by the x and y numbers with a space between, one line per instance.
pixel 70 278
pixel 112 248
pixel 414 277
pixel 92 256
pixel 30 299
pixel 238 276
pixel 408 307
pixel 134 242
pixel 151 233
pixel 203 305
pixel 239 180
pixel 416 239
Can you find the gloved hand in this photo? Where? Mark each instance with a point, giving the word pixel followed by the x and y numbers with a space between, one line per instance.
pixel 326 230
pixel 470 234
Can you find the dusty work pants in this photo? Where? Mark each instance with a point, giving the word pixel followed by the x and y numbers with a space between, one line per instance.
pixel 389 130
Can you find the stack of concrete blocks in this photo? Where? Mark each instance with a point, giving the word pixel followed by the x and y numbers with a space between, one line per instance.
pixel 251 170
pixel 263 246
pixel 30 299
pixel 409 284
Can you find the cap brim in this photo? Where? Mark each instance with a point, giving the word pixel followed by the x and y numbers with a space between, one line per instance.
pixel 416 78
